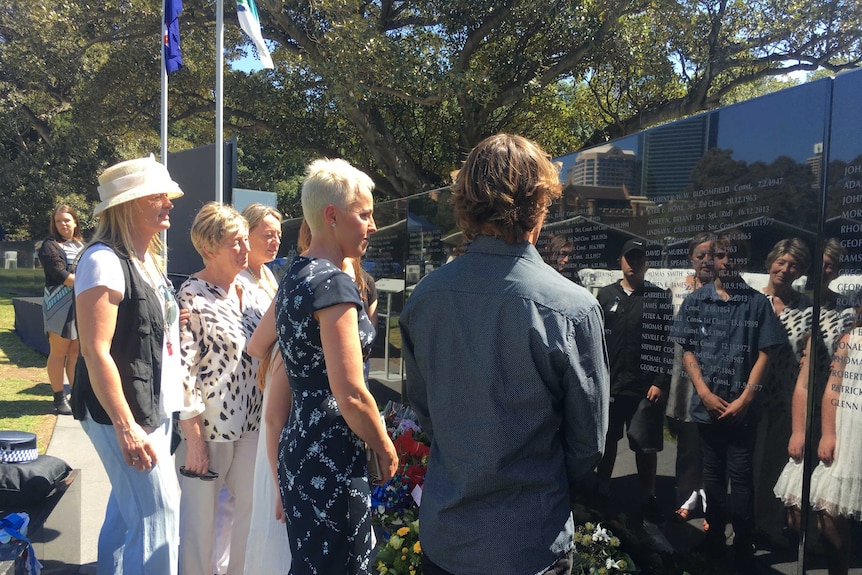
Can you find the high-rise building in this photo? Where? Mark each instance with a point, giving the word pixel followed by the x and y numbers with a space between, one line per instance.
pixel 604 166
pixel 671 152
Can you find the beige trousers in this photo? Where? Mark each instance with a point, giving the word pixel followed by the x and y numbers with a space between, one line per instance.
pixel 234 462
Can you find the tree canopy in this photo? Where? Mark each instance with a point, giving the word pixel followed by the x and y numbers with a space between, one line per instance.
pixel 401 88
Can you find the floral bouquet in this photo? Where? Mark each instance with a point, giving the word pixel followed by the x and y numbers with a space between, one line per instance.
pixel 597 552
pixel 395 504
pixel 402 554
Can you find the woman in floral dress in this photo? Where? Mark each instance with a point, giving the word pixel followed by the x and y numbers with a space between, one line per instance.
pixel 322 328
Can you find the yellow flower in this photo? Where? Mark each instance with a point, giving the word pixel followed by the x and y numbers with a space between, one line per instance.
pixel 403 531
pixel 404 557
pixel 417 548
pixel 404 550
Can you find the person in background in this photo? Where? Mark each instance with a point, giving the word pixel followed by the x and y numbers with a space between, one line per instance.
pixel 788 260
pixel 507 372
pixel 222 406
pixel 264 239
pixel 637 314
pixel 558 255
pixel 727 331
pixel 689 480
pixel 836 483
pixel 327 412
pixel 127 381
pixel 368 293
pixel 267 548
pixel 58 254
pixel 835 321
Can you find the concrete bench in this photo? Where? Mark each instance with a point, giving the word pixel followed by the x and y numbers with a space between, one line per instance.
pixel 54 531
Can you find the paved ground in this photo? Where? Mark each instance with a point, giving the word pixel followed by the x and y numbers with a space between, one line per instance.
pixel 71 444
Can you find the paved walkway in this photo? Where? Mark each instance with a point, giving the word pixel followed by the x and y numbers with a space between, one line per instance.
pixel 70 443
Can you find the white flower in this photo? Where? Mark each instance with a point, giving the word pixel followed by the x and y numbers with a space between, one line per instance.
pixel 601 534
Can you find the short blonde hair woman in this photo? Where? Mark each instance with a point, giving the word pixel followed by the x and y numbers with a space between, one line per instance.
pixel 322 328
pixel 127 385
pixel 221 413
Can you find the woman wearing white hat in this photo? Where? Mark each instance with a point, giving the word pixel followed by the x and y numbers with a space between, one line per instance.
pixel 127 381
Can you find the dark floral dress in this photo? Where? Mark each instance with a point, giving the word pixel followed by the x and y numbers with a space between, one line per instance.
pixel 322 470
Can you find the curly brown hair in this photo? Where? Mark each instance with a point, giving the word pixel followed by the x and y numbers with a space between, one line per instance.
pixel 504 188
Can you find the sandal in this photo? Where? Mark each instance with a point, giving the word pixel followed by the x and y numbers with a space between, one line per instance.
pixel 681 514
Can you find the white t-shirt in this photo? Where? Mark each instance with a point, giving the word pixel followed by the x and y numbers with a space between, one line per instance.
pixel 100 266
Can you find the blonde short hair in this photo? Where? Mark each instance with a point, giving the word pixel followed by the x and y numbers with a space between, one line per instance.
pixel 333 182
pixel 255 213
pixel 214 222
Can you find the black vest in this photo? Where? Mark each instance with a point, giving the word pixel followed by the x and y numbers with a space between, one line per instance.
pixel 137 351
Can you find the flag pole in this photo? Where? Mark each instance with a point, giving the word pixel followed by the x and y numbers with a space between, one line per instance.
pixel 164 119
pixel 219 135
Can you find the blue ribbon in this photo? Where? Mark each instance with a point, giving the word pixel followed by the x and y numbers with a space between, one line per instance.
pixel 11 525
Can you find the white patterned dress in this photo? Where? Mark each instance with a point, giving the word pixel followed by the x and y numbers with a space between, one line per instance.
pixel 834 323
pixel 837 488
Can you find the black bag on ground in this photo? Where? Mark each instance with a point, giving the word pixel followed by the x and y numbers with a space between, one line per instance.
pixel 26 478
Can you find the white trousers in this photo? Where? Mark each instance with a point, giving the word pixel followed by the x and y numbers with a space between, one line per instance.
pixel 234 462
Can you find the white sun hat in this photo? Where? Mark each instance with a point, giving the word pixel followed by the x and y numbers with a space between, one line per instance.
pixel 135 179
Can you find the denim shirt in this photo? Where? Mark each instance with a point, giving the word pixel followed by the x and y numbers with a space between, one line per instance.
pixel 507 370
pixel 726 338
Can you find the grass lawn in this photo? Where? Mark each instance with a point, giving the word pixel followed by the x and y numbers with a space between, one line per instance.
pixel 26 401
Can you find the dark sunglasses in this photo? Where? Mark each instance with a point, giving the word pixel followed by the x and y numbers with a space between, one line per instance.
pixel 210 475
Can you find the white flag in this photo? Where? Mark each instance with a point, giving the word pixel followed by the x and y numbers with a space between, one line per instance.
pixel 249 21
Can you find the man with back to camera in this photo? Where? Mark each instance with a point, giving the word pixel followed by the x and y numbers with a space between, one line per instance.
pixel 638 315
pixel 507 372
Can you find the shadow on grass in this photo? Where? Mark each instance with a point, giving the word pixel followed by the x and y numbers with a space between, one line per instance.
pixel 18 352
pixel 38 389
pixel 26 407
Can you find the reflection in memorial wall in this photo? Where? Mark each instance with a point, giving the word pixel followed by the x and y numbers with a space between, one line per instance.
pixel 760 202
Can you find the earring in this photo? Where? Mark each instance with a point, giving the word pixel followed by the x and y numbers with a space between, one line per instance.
pixel 333 224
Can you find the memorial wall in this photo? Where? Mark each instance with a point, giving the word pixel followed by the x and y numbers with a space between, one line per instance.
pixel 761 198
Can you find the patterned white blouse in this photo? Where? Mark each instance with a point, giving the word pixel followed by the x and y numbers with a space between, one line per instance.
pixel 219 379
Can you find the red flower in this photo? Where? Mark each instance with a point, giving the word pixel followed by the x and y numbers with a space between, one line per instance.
pixel 415 475
pixel 409 449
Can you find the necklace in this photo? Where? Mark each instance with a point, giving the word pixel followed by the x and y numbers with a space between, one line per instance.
pixel 264 282
pixel 169 305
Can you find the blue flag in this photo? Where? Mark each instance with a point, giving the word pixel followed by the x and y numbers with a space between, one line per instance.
pixel 173 56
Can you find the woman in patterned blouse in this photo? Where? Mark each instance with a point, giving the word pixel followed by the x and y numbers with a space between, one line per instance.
pixel 785 264
pixel 222 407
